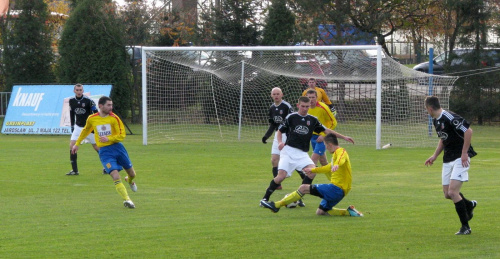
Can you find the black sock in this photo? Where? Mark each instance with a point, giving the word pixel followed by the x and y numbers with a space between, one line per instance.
pixel 467 202
pixel 275 171
pixel 461 209
pixel 74 165
pixel 272 187
pixel 302 175
pixel 307 180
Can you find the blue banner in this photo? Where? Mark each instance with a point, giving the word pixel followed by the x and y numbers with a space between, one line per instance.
pixel 44 109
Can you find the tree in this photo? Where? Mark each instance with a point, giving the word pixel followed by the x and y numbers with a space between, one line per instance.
pixel 92 50
pixel 27 53
pixel 279 29
pixel 235 24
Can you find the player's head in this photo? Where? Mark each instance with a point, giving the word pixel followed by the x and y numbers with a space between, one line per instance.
pixel 78 90
pixel 432 105
pixel 105 105
pixel 313 96
pixel 331 142
pixel 276 94
pixel 303 105
pixel 311 82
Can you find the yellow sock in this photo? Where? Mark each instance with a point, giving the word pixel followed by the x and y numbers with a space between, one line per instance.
pixel 289 198
pixel 131 179
pixel 120 188
pixel 338 212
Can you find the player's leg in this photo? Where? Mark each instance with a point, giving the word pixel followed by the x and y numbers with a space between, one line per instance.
pixel 273 185
pixel 275 156
pixel 120 188
pixel 123 160
pixel 459 175
pixel 73 157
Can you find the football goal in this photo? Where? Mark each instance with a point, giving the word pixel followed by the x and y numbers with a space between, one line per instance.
pixel 193 94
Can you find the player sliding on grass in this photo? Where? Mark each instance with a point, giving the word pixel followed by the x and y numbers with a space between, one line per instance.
pixel 109 131
pixel 299 127
pixel 338 173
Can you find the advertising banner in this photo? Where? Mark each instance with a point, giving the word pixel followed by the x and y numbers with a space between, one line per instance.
pixel 44 109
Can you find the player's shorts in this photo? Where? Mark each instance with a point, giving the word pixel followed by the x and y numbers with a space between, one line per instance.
pixel 114 157
pixel 293 159
pixel 455 171
pixel 318 147
pixel 275 150
pixel 76 133
pixel 330 194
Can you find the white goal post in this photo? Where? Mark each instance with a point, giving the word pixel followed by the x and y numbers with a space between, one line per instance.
pixel 223 93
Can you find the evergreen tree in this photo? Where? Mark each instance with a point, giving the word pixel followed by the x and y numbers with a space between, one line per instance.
pixel 92 50
pixel 279 29
pixel 27 46
pixel 235 24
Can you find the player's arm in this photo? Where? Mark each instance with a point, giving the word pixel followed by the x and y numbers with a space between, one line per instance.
pixel 119 128
pixel 438 151
pixel 72 118
pixel 271 128
pixel 338 135
pixel 465 148
pixel 325 98
pixel 322 169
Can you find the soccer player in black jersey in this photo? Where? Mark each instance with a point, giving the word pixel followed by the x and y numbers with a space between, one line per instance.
pixel 455 136
pixel 80 107
pixel 277 114
pixel 298 127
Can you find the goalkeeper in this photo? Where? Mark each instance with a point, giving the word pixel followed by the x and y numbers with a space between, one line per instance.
pixel 322 96
pixel 338 173
pixel 277 113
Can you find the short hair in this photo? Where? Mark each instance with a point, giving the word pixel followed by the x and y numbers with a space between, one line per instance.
pixel 304 99
pixel 312 79
pixel 312 92
pixel 433 102
pixel 330 138
pixel 77 85
pixel 103 100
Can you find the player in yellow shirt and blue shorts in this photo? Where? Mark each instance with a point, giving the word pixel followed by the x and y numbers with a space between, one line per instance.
pixel 338 172
pixel 109 131
pixel 325 116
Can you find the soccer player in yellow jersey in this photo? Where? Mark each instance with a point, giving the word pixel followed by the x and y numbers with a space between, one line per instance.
pixel 322 96
pixel 109 131
pixel 338 173
pixel 325 116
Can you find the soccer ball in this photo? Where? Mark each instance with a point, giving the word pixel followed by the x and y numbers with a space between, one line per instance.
pixel 292 205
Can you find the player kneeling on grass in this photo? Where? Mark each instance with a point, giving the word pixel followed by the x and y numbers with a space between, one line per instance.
pixel 338 173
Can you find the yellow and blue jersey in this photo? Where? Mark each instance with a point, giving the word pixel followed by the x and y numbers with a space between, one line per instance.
pixel 110 126
pixel 341 178
pixel 324 115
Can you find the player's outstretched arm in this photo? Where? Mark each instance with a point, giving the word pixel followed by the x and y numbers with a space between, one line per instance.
pixel 346 138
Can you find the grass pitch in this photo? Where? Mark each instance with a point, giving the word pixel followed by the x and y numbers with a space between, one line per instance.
pixel 200 200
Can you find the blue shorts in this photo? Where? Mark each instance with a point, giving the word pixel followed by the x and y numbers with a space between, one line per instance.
pixel 331 195
pixel 114 157
pixel 318 147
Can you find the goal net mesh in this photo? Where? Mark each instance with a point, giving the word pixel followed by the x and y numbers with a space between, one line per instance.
pixel 224 95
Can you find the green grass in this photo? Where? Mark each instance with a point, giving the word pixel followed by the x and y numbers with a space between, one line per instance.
pixel 200 200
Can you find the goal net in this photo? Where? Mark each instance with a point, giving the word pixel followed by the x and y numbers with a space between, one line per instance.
pixel 223 93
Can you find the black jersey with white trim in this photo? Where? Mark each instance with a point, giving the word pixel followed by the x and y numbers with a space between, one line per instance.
pixel 450 128
pixel 80 109
pixel 299 130
pixel 278 113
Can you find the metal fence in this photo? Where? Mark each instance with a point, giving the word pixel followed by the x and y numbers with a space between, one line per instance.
pixel 4 103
